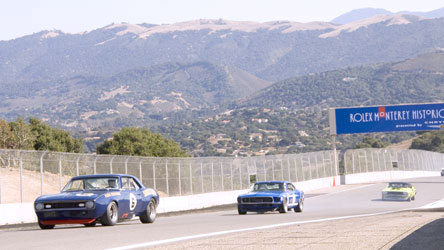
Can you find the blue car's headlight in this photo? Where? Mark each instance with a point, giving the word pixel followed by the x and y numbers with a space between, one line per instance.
pixel 39 206
pixel 89 204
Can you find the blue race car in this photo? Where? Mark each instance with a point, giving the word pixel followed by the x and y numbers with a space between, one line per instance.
pixel 271 196
pixel 104 198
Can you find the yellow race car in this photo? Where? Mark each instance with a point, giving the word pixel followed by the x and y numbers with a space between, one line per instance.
pixel 399 191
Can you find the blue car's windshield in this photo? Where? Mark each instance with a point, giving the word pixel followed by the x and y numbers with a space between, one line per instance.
pixel 92 184
pixel 268 186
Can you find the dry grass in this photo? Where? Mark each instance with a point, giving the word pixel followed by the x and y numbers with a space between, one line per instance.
pixel 31 182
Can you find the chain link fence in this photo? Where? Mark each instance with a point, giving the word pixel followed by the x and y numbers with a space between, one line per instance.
pixel 374 160
pixel 25 175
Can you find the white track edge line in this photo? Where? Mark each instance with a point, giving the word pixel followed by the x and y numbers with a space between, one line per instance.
pixel 198 236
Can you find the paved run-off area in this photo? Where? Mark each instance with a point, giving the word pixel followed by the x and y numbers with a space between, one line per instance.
pixel 401 230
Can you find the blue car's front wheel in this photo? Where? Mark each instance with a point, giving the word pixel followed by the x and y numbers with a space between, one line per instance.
pixel 240 210
pixel 284 207
pixel 300 206
pixel 149 215
pixel 111 215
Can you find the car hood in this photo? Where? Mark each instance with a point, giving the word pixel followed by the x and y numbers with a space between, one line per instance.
pixel 72 196
pixel 261 194
pixel 396 190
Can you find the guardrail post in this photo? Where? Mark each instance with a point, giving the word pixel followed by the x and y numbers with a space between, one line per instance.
pixel 41 172
pixel 111 164
pixel 201 176
pixel 272 169
pixel 282 170
pixel 288 167
pixel 222 174
pixel 248 174
pixel 77 165
pixel 212 176
pixel 140 170
pixel 240 175
pixel 191 179
pixel 365 160
pixel 302 168
pixel 60 172
pixel 323 164
pixel 21 175
pixel 296 169
pixel 154 174
pixel 95 166
pixel 309 167
pixel 126 165
pixel 180 183
pixel 265 169
pixel 166 178
pixel 231 172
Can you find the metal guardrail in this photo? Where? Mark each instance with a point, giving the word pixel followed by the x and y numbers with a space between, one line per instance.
pixel 24 175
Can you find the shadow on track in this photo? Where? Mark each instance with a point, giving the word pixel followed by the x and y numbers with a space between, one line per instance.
pixel 428 237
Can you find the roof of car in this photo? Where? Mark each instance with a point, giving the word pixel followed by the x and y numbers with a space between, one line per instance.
pixel 101 176
pixel 271 182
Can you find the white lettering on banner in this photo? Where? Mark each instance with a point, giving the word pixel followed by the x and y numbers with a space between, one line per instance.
pixel 402 115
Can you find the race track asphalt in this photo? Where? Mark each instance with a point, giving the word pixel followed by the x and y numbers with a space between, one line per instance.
pixel 341 203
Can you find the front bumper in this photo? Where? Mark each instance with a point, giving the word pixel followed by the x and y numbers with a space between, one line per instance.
pixel 66 216
pixel 396 196
pixel 262 207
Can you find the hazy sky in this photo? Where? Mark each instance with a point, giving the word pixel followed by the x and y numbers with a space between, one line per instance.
pixel 24 17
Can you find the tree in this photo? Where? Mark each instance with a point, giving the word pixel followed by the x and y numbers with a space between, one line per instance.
pixel 430 140
pixel 6 136
pixel 370 142
pixel 53 139
pixel 140 142
pixel 23 138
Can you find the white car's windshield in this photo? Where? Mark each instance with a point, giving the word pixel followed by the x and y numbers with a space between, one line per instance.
pixel 92 184
pixel 268 186
pixel 399 185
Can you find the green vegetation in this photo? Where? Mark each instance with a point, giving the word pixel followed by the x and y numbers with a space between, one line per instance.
pixel 371 142
pixel 36 136
pixel 140 142
pixel 430 140
pixel 259 131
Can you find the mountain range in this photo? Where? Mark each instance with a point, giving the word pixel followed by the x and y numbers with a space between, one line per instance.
pixel 364 13
pixel 166 75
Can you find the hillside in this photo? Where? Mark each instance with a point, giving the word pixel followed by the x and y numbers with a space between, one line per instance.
pixel 292 115
pixel 130 98
pixel 417 80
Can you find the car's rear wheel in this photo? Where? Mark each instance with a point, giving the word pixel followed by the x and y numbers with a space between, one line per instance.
pixel 284 207
pixel 111 215
pixel 149 215
pixel 300 207
pixel 240 210
pixel 42 226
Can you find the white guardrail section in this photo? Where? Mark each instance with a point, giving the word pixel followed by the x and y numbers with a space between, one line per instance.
pixel 19 213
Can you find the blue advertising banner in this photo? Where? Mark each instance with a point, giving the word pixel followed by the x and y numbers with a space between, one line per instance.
pixel 387 118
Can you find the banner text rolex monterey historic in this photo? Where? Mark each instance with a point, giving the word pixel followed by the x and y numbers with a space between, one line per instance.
pixel 389 118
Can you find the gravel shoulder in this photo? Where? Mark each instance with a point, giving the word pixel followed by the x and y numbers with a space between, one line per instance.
pixel 403 230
